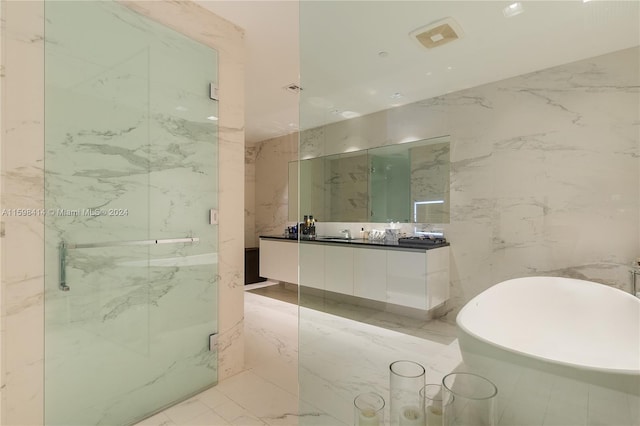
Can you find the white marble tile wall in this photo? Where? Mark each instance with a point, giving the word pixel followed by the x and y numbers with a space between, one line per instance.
pixel 544 171
pixel 23 187
pixel 272 182
pixel 22 342
pixel 250 195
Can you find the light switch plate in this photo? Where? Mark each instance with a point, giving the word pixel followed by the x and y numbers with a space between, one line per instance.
pixel 213 216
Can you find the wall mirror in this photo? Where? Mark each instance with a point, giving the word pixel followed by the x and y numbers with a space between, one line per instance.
pixel 406 182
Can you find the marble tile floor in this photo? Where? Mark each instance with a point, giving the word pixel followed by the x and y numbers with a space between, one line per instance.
pixel 304 367
pixel 435 330
pixel 266 393
pixel 276 290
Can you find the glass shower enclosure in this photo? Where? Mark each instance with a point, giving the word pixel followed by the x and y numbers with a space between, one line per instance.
pixel 131 186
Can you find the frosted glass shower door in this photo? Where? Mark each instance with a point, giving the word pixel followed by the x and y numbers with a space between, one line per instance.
pixel 130 181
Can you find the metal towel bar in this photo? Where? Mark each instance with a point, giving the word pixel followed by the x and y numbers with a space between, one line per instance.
pixel 64 246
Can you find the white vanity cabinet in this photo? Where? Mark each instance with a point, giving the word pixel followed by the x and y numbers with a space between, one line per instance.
pixel 338 269
pixel 417 279
pixel 279 260
pixel 407 278
pixel 437 277
pixel 312 265
pixel 370 274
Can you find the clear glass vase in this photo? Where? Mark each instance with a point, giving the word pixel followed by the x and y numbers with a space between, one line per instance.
pixel 368 410
pixel 407 378
pixel 469 400
pixel 432 395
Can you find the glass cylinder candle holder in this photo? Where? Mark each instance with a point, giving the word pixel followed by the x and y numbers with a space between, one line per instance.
pixel 468 400
pixel 432 395
pixel 368 410
pixel 406 380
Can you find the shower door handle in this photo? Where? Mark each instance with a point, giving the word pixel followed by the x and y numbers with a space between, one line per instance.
pixel 62 253
pixel 64 247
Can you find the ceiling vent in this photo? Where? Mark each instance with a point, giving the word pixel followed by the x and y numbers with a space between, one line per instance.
pixel 437 33
pixel 293 88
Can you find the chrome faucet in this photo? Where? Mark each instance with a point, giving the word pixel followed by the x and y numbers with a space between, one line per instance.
pixel 346 233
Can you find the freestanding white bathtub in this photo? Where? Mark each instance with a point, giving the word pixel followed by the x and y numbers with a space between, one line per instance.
pixel 581 331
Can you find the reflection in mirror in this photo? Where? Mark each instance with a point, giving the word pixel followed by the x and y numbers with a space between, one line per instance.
pixel 430 182
pixel 406 182
pixel 389 184
pixel 312 189
pixel 293 191
pixel 346 182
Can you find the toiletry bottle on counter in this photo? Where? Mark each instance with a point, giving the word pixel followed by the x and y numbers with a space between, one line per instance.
pixel 312 227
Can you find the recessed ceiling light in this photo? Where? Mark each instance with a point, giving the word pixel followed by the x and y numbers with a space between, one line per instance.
pixel 449 68
pixel 212 118
pixel 396 95
pixel 513 9
pixel 429 73
pixel 383 54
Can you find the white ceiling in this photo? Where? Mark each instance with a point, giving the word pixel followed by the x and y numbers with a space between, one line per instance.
pixel 340 43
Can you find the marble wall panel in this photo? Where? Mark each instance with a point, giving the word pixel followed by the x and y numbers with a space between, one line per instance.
pixel 22 344
pixel 250 184
pixel 272 183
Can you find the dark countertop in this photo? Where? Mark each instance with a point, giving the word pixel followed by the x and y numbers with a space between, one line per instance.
pixel 357 242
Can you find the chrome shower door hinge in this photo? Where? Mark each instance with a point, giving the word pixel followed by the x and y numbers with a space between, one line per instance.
pixel 213 92
pixel 213 342
pixel 213 216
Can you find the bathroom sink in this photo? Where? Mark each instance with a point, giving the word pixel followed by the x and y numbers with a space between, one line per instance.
pixel 335 238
